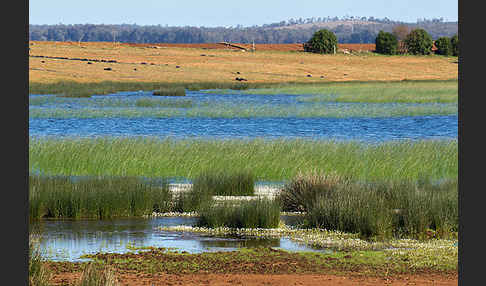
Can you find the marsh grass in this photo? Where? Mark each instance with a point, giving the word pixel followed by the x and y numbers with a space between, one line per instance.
pixel 240 183
pixel 444 91
pixel 95 197
pixel 209 184
pixel 39 274
pixel 302 192
pixel 272 160
pixel 77 89
pixel 170 91
pixel 149 102
pixel 381 209
pixel 260 213
pixel 95 274
pixel 106 102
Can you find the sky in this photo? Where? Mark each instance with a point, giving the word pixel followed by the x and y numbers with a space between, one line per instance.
pixel 225 13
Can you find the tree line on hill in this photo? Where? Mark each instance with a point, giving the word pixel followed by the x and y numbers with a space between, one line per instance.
pixel 415 42
pixel 346 29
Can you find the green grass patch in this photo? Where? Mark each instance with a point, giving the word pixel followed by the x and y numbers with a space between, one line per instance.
pixel 272 160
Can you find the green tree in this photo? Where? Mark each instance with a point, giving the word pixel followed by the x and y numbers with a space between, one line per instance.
pixel 322 42
pixel 455 45
pixel 386 43
pixel 419 42
pixel 444 46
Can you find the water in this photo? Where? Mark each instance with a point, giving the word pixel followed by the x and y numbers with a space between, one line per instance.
pixel 369 129
pixel 360 129
pixel 67 240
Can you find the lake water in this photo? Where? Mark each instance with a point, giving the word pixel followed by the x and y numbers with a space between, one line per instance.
pixel 67 240
pixel 360 128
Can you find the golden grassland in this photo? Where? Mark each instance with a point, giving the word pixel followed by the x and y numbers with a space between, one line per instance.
pixel 222 65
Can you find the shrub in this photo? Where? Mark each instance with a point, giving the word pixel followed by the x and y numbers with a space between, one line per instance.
pixel 455 45
pixel 386 43
pixel 444 46
pixel 419 42
pixel 322 42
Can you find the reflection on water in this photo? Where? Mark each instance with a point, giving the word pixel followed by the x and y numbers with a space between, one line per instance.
pixel 69 239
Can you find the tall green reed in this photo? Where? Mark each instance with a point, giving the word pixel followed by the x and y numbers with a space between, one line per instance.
pixel 95 197
pixel 278 159
pixel 380 209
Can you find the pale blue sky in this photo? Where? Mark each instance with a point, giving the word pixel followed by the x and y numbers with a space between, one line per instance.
pixel 229 12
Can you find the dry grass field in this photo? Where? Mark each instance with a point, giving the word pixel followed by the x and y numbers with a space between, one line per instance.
pixel 51 62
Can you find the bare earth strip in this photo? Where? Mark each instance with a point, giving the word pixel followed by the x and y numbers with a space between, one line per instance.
pixel 268 279
pixel 208 63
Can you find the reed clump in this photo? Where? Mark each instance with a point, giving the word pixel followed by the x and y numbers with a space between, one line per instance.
pixel 95 197
pixel 382 209
pixel 214 183
pixel 259 213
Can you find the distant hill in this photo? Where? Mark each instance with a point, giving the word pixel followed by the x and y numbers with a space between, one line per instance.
pixel 347 30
